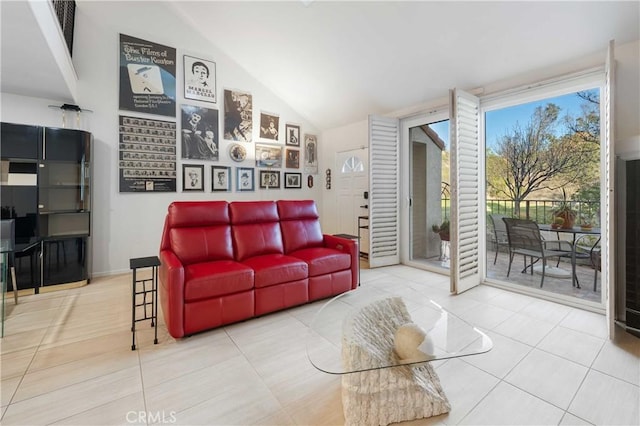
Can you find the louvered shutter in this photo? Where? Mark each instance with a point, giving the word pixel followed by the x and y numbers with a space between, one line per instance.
pixel 465 191
pixel 607 196
pixel 384 156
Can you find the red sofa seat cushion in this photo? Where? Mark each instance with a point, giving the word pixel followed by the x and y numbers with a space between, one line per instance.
pixel 217 278
pixel 274 269
pixel 323 260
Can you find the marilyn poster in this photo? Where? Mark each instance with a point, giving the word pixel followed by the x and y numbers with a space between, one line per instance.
pixel 147 77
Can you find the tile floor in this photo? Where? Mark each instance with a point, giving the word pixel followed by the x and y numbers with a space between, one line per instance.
pixel 67 359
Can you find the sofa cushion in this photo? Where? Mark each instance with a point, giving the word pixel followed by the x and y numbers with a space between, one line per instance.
pixel 216 278
pixel 323 260
pixel 274 269
pixel 300 225
pixel 255 229
pixel 202 244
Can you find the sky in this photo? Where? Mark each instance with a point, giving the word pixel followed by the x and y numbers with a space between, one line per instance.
pixel 501 121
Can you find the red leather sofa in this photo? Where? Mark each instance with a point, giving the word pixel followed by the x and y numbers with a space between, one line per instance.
pixel 226 262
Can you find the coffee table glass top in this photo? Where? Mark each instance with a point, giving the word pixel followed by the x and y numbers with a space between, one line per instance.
pixel 358 331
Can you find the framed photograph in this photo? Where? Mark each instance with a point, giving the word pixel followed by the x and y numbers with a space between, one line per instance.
pixel 292 134
pixel 269 126
pixel 311 154
pixel 237 152
pixel 293 180
pixel 238 116
pixel 199 79
pixel 268 156
pixel 269 179
pixel 199 133
pixel 220 179
pixel 193 177
pixel 293 158
pixel 245 179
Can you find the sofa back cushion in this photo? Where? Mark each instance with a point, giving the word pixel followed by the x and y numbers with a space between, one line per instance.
pixel 198 231
pixel 255 229
pixel 300 225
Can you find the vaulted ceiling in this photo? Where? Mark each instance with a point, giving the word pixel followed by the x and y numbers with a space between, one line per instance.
pixel 336 62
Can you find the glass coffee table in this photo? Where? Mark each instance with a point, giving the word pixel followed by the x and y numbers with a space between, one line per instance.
pixel 383 345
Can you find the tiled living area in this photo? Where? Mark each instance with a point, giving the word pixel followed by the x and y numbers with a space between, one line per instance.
pixel 66 359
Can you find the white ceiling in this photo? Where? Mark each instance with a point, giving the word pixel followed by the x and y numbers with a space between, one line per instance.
pixel 337 62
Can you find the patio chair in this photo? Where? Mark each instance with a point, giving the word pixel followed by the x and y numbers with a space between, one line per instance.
pixel 525 239
pixel 590 250
pixel 500 238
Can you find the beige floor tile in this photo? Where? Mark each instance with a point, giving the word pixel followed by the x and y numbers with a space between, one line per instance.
pixel 500 360
pixel 570 420
pixel 279 418
pixel 508 405
pixel 322 409
pixel 544 310
pixel 465 386
pixel 7 389
pixel 511 301
pixel 53 378
pixel 549 377
pixel 20 341
pixel 486 316
pixel 572 345
pixel 128 410
pixel 71 400
pixel 586 322
pixel 622 362
pixel 483 293
pixel 605 400
pixel 16 363
pixel 524 329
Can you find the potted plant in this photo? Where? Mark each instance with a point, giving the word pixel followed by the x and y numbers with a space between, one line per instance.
pixel 586 223
pixel 557 222
pixel 442 230
pixel 565 212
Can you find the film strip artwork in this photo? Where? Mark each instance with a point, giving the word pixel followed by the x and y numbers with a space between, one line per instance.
pixel 147 155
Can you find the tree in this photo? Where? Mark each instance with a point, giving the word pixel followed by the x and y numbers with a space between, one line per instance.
pixel 535 158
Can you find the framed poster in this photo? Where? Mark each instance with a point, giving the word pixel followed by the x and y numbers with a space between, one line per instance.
pixel 269 125
pixel 199 133
pixel 220 179
pixel 193 177
pixel 269 179
pixel 147 77
pixel 292 180
pixel 292 134
pixel 311 154
pixel 245 179
pixel 147 155
pixel 268 156
pixel 238 116
pixel 293 158
pixel 199 79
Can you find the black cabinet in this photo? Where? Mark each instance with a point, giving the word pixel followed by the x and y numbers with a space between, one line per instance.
pixel 46 187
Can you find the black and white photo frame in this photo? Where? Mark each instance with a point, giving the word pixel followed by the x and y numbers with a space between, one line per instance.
pixel 293 180
pixel 292 158
pixel 311 154
pixel 268 155
pixel 220 178
pixel 269 179
pixel 292 134
pixel 200 139
pixel 269 126
pixel 199 79
pixel 238 115
pixel 193 177
pixel 245 180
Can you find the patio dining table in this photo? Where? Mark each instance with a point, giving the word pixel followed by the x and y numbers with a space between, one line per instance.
pixel 575 231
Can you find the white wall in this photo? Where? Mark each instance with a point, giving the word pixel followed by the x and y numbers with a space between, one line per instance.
pixel 130 224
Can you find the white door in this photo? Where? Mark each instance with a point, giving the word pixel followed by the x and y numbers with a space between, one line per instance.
pixel 384 199
pixel 607 195
pixel 465 191
pixel 352 181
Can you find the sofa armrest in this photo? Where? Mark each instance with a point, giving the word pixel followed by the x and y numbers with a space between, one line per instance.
pixel 350 247
pixel 172 292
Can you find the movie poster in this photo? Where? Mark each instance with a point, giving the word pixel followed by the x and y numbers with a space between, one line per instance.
pixel 238 116
pixel 199 133
pixel 199 79
pixel 147 155
pixel 147 77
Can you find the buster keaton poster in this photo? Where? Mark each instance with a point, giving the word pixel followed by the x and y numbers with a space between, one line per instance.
pixel 147 77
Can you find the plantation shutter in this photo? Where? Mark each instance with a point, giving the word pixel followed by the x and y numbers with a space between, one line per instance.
pixel 607 196
pixel 383 191
pixel 465 191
